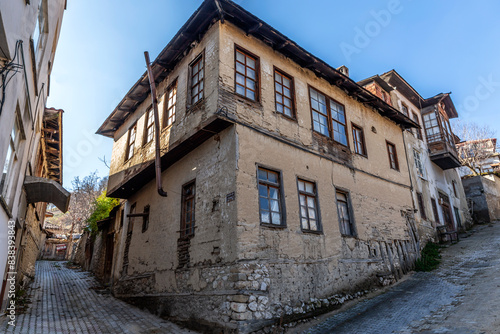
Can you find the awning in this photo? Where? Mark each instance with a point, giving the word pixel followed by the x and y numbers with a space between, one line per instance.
pixel 39 189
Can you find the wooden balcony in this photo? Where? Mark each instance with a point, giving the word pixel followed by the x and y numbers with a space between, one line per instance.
pixel 442 152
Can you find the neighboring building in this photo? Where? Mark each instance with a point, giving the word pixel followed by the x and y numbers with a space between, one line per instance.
pixel 30 135
pixel 480 155
pixel 437 191
pixel 483 193
pixel 286 180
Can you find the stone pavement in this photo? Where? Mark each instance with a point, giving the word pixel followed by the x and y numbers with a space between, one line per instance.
pixel 461 297
pixel 64 302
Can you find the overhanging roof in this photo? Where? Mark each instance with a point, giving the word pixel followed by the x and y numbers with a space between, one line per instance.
pixel 396 80
pixel 385 86
pixel 207 14
pixel 39 189
pixel 446 99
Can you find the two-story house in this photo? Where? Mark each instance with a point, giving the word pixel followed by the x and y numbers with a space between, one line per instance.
pixel 286 181
pixel 437 190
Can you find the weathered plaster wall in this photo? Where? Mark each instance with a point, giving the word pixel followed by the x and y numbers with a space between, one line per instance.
pixel 187 117
pixel 281 268
pixel 153 269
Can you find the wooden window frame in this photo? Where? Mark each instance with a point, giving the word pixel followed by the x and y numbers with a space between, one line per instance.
pixel 396 161
pixel 348 203
pixel 403 106
pixel 421 205
pixel 127 151
pixel 281 198
pixel 435 211
pixel 292 93
pixel 363 140
pixel 419 166
pixel 166 109
pixel 247 53
pixel 417 131
pixel 147 127
pixel 188 231
pixel 330 119
pixel 198 58
pixel 314 195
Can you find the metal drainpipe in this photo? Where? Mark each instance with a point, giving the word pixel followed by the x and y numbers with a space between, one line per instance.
pixel 152 86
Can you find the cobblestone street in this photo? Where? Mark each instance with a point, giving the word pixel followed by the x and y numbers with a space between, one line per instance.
pixel 461 297
pixel 63 301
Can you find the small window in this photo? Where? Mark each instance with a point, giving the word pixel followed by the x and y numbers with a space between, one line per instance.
pixel 150 128
pixel 270 206
pixel 358 138
pixel 170 105
pixel 404 109
pixel 421 206
pixel 454 184
pixel 393 156
pixel 188 210
pixel 418 132
pixel 328 117
pixel 344 212
pixel 246 75
pixel 435 211
pixel 418 163
pixel 145 219
pixel 197 82
pixel 308 202
pixel 132 132
pixel 283 92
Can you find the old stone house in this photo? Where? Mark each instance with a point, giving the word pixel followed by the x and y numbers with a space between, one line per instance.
pixel 437 191
pixel 288 188
pixel 30 136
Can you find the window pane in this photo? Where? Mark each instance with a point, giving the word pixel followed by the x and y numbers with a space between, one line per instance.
pixel 275 205
pixel 262 190
pixel 264 204
pixel 273 193
pixel 264 217
pixel 272 176
pixel 276 218
pixel 305 224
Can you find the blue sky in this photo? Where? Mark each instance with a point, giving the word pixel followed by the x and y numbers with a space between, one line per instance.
pixel 437 46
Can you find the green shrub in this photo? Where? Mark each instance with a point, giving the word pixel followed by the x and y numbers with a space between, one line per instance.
pixel 429 259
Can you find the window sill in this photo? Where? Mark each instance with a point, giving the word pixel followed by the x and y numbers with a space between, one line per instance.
pixel 247 99
pixel 312 232
pixel 330 139
pixel 349 236
pixel 292 119
pixel 362 155
pixel 272 226
pixel 195 107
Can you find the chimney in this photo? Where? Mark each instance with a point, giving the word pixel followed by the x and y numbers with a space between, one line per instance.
pixel 344 70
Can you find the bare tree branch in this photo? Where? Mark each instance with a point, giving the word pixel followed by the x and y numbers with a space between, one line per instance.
pixel 478 144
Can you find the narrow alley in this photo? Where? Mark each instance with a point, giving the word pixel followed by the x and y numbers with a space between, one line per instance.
pixel 66 301
pixel 461 297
